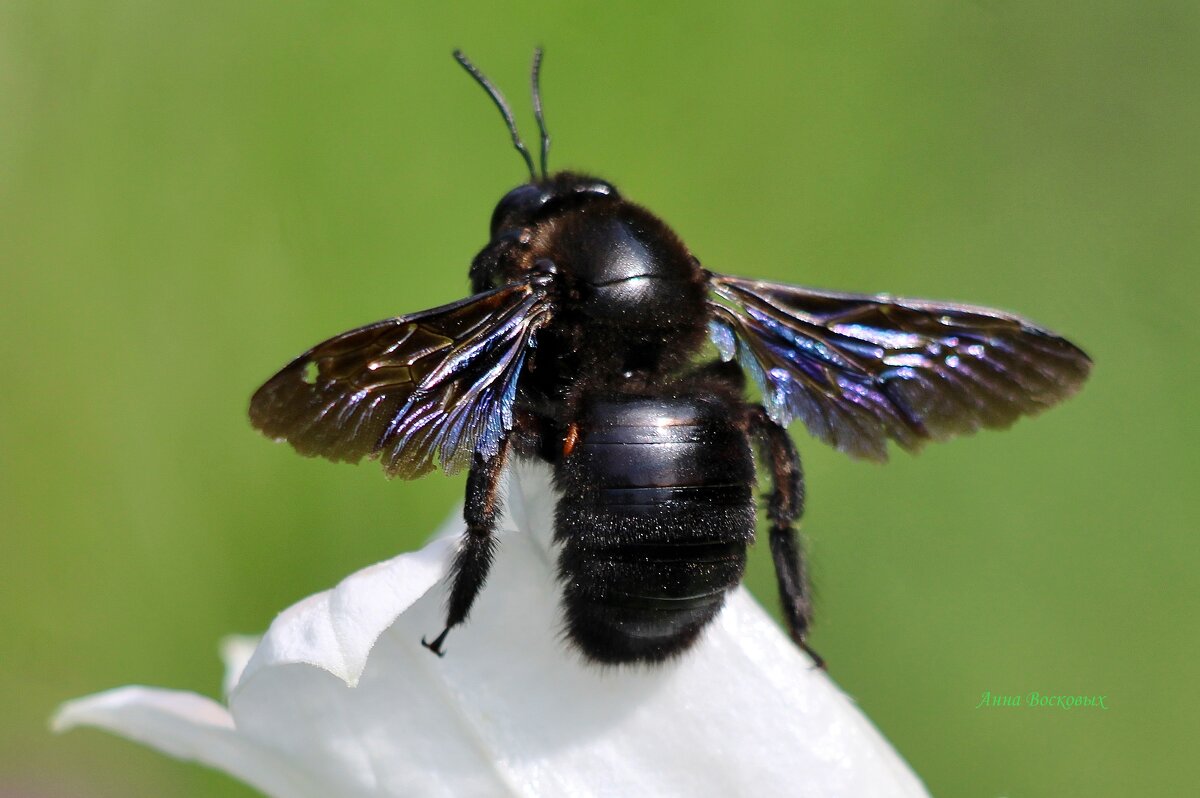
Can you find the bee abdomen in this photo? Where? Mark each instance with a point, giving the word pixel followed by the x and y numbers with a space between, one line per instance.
pixel 656 513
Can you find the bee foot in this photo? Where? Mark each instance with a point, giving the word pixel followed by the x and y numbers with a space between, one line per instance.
pixel 436 645
pixel 818 660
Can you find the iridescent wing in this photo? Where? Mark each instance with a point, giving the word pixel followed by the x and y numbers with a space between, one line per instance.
pixel 858 369
pixel 439 384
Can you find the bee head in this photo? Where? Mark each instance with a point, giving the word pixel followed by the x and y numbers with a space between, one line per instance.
pixel 530 202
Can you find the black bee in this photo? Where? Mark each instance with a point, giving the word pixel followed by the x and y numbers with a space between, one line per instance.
pixel 580 346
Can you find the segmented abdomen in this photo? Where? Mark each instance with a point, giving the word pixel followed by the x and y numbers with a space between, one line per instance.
pixel 656 512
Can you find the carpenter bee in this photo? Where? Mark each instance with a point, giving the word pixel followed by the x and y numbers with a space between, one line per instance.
pixel 581 344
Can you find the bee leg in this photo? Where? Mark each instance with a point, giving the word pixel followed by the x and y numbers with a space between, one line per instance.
pixel 784 507
pixel 474 557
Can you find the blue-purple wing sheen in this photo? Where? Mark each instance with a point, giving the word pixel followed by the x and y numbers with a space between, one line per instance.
pixel 859 370
pixel 439 384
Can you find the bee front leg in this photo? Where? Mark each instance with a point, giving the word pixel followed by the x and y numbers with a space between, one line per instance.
pixel 478 546
pixel 785 506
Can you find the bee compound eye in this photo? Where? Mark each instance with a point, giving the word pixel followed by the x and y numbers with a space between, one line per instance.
pixel 518 207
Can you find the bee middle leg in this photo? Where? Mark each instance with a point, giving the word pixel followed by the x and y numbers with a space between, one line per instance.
pixel 784 508
pixel 477 549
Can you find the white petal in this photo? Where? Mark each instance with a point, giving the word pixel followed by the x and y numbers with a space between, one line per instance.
pixel 511 710
pixel 189 727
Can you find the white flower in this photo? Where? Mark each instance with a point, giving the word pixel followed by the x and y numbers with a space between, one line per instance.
pixel 339 699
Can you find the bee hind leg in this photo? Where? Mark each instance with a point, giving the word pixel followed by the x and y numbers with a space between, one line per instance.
pixel 785 505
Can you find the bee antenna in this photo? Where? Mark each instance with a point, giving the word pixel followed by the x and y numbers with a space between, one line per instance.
pixel 505 111
pixel 537 107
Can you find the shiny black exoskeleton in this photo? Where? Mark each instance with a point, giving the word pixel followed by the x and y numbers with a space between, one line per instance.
pixel 653 523
pixel 582 346
pixel 630 299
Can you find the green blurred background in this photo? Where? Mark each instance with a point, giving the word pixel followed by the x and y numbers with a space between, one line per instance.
pixel 191 193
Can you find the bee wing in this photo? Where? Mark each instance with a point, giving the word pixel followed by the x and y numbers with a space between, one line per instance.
pixel 436 384
pixel 859 369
